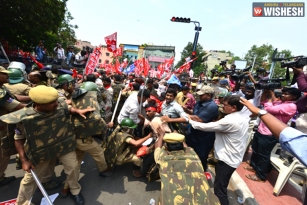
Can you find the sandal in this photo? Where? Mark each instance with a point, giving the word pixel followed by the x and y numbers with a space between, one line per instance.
pixel 249 168
pixel 254 178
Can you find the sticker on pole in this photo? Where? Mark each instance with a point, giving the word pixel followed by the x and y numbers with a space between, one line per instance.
pixel 9 202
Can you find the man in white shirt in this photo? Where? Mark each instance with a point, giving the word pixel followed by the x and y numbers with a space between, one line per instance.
pixel 131 108
pixel 229 145
pixel 60 53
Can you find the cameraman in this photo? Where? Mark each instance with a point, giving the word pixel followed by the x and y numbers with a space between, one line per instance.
pixel 60 53
pixel 232 67
pixel 301 80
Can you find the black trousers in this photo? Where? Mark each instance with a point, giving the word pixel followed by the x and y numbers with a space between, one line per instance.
pixel 223 173
pixel 262 146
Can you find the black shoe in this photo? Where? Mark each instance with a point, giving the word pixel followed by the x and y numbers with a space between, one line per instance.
pixel 51 185
pixel 78 199
pixel 7 180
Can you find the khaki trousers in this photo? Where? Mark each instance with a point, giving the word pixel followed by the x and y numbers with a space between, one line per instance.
pixel 4 161
pixel 91 147
pixel 28 185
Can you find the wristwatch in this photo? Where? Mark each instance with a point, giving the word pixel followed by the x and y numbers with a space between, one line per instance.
pixel 262 112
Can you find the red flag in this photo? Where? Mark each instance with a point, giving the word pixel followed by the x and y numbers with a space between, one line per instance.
pixel 168 63
pixel 108 68
pixel 111 42
pixel 124 64
pixel 145 68
pixel 117 67
pixel 138 67
pixel 39 65
pixel 92 61
pixel 186 66
pixel 118 52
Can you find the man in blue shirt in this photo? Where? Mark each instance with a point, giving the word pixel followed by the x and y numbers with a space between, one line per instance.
pixel 205 111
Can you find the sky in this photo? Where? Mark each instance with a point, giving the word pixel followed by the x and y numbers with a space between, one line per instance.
pixel 226 25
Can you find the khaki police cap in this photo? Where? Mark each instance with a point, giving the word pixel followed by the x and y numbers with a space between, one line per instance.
pixel 43 94
pixel 3 70
pixel 173 138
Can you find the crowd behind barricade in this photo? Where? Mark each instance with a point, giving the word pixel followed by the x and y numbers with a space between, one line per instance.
pixel 166 128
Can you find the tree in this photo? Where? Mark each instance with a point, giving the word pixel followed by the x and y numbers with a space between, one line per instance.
pixel 198 65
pixel 25 23
pixel 263 59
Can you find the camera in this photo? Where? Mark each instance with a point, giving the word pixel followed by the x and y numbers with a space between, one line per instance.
pixel 239 74
pixel 298 63
pixel 223 62
pixel 271 84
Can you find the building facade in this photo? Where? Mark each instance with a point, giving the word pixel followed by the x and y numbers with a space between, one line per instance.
pixel 214 57
pixel 158 54
pixel 105 57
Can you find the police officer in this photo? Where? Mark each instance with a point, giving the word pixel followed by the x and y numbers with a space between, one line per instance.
pixel 182 175
pixel 7 104
pixel 16 87
pixel 120 144
pixel 93 124
pixel 36 149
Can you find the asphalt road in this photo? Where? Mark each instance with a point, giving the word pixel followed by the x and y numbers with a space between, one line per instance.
pixel 119 189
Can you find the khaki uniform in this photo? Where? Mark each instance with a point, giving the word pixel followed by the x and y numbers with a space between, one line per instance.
pixel 18 88
pixel 85 143
pixel 60 134
pixel 182 178
pixel 4 109
pixel 118 151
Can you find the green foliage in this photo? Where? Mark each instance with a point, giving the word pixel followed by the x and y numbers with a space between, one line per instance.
pixel 25 23
pixel 263 55
pixel 232 60
pixel 198 65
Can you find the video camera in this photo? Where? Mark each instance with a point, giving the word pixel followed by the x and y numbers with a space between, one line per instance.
pixel 270 84
pixel 298 63
pixel 238 75
pixel 223 62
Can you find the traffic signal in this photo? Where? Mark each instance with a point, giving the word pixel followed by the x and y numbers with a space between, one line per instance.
pixel 180 19
pixel 193 55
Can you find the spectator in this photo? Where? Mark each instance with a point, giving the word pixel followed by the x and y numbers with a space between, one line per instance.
pixel 229 144
pixel 60 53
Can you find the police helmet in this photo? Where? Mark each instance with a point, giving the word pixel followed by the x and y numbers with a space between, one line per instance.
pixel 16 75
pixel 127 122
pixel 65 78
pixel 89 86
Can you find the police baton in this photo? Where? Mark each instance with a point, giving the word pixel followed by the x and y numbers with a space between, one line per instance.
pixel 40 186
pixel 109 131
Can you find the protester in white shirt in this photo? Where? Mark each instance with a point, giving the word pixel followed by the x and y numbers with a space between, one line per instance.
pixel 229 145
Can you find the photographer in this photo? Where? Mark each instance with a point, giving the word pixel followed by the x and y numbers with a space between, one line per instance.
pixel 263 140
pixel 301 80
pixel 60 53
pixel 232 67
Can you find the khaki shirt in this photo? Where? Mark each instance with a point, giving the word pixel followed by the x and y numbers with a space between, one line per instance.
pixel 18 89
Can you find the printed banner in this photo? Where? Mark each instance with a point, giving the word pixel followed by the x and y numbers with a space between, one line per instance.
pixel 92 61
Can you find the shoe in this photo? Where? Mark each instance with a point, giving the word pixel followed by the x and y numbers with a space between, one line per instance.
pixel 51 185
pixel 78 199
pixel 102 174
pixel 7 180
pixel 64 193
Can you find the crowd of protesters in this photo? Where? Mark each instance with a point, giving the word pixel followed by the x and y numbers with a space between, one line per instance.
pixel 206 113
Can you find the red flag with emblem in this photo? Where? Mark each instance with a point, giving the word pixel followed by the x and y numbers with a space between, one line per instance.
pixel 168 63
pixel 118 52
pixel 111 41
